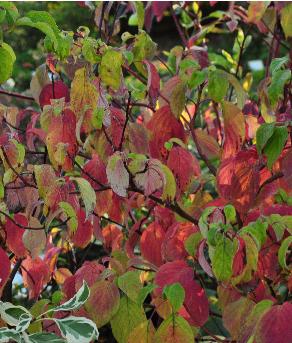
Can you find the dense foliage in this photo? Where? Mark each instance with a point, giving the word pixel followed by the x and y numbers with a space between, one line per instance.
pixel 147 196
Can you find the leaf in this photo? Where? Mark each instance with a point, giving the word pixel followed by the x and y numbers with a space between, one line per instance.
pixel 6 335
pixel 83 94
pixel 169 187
pixel 174 330
pixel 43 337
pixel 13 315
pixel 275 145
pixel 7 59
pixel 51 91
pixel 71 215
pixel 184 167
pixel 87 194
pixel 234 127
pixel 276 88
pixel 15 233
pixel 286 13
pixel 278 63
pixel 177 99
pixel 82 237
pixel 274 324
pixel 61 143
pixel 130 284
pixel 4 270
pixel 222 259
pixel 163 126
pixel 143 293
pixel 77 329
pixel 256 11
pixel 153 82
pixel 144 48
pixel 128 317
pixel 143 333
pixel 139 7
pixel 217 86
pixel 283 251
pixel 175 293
pixel 263 134
pixel 110 69
pixel 34 240
pixel 103 302
pixel 117 174
pixel 150 243
pixel 11 11
pixel 76 302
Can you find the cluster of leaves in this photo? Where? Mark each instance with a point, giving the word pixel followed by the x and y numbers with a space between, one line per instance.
pixel 165 168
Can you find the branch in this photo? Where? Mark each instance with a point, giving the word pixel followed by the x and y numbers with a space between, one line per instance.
pixel 180 32
pixel 128 111
pixel 270 180
pixel 16 95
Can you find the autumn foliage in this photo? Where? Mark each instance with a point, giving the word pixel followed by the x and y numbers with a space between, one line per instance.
pixel 145 196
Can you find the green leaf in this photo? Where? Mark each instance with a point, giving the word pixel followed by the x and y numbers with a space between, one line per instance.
pixel 77 329
pixel 230 213
pixel 286 14
pixel 217 86
pixel 275 145
pixel 263 134
pixel 126 319
pixel 192 242
pixel 130 284
pixel 222 259
pixel 64 45
pixel 283 251
pixel 169 187
pixel 278 63
pixel 97 117
pixel 110 69
pixel 43 17
pixel 139 7
pixel 257 230
pixel 177 100
pixel 42 26
pixel 76 302
pixel 276 88
pixel 70 213
pixel 197 78
pixel 87 194
pixel 174 329
pixel 175 293
pixel 44 337
pixel 89 48
pixel 7 59
pixel 143 293
pixel 144 48
pixel 11 11
pixel 36 310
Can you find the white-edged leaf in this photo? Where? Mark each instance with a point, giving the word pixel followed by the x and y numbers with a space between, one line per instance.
pixel 77 329
pixel 12 314
pixel 8 335
pixel 76 302
pixel 43 337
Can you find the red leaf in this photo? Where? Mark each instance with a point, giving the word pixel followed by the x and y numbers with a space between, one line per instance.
pixel 153 84
pixel 173 245
pixel 275 326
pixel 202 259
pixel 117 125
pixel 96 169
pixel 4 270
pixel 164 217
pixel 82 237
pixel 158 8
pixel 163 126
pixel 61 136
pixel 36 275
pixel 112 237
pixel 57 91
pixel 90 272
pixel 14 235
pixel 150 244
pixel 184 167
pixel 238 260
pixel 196 302
pixel 238 179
